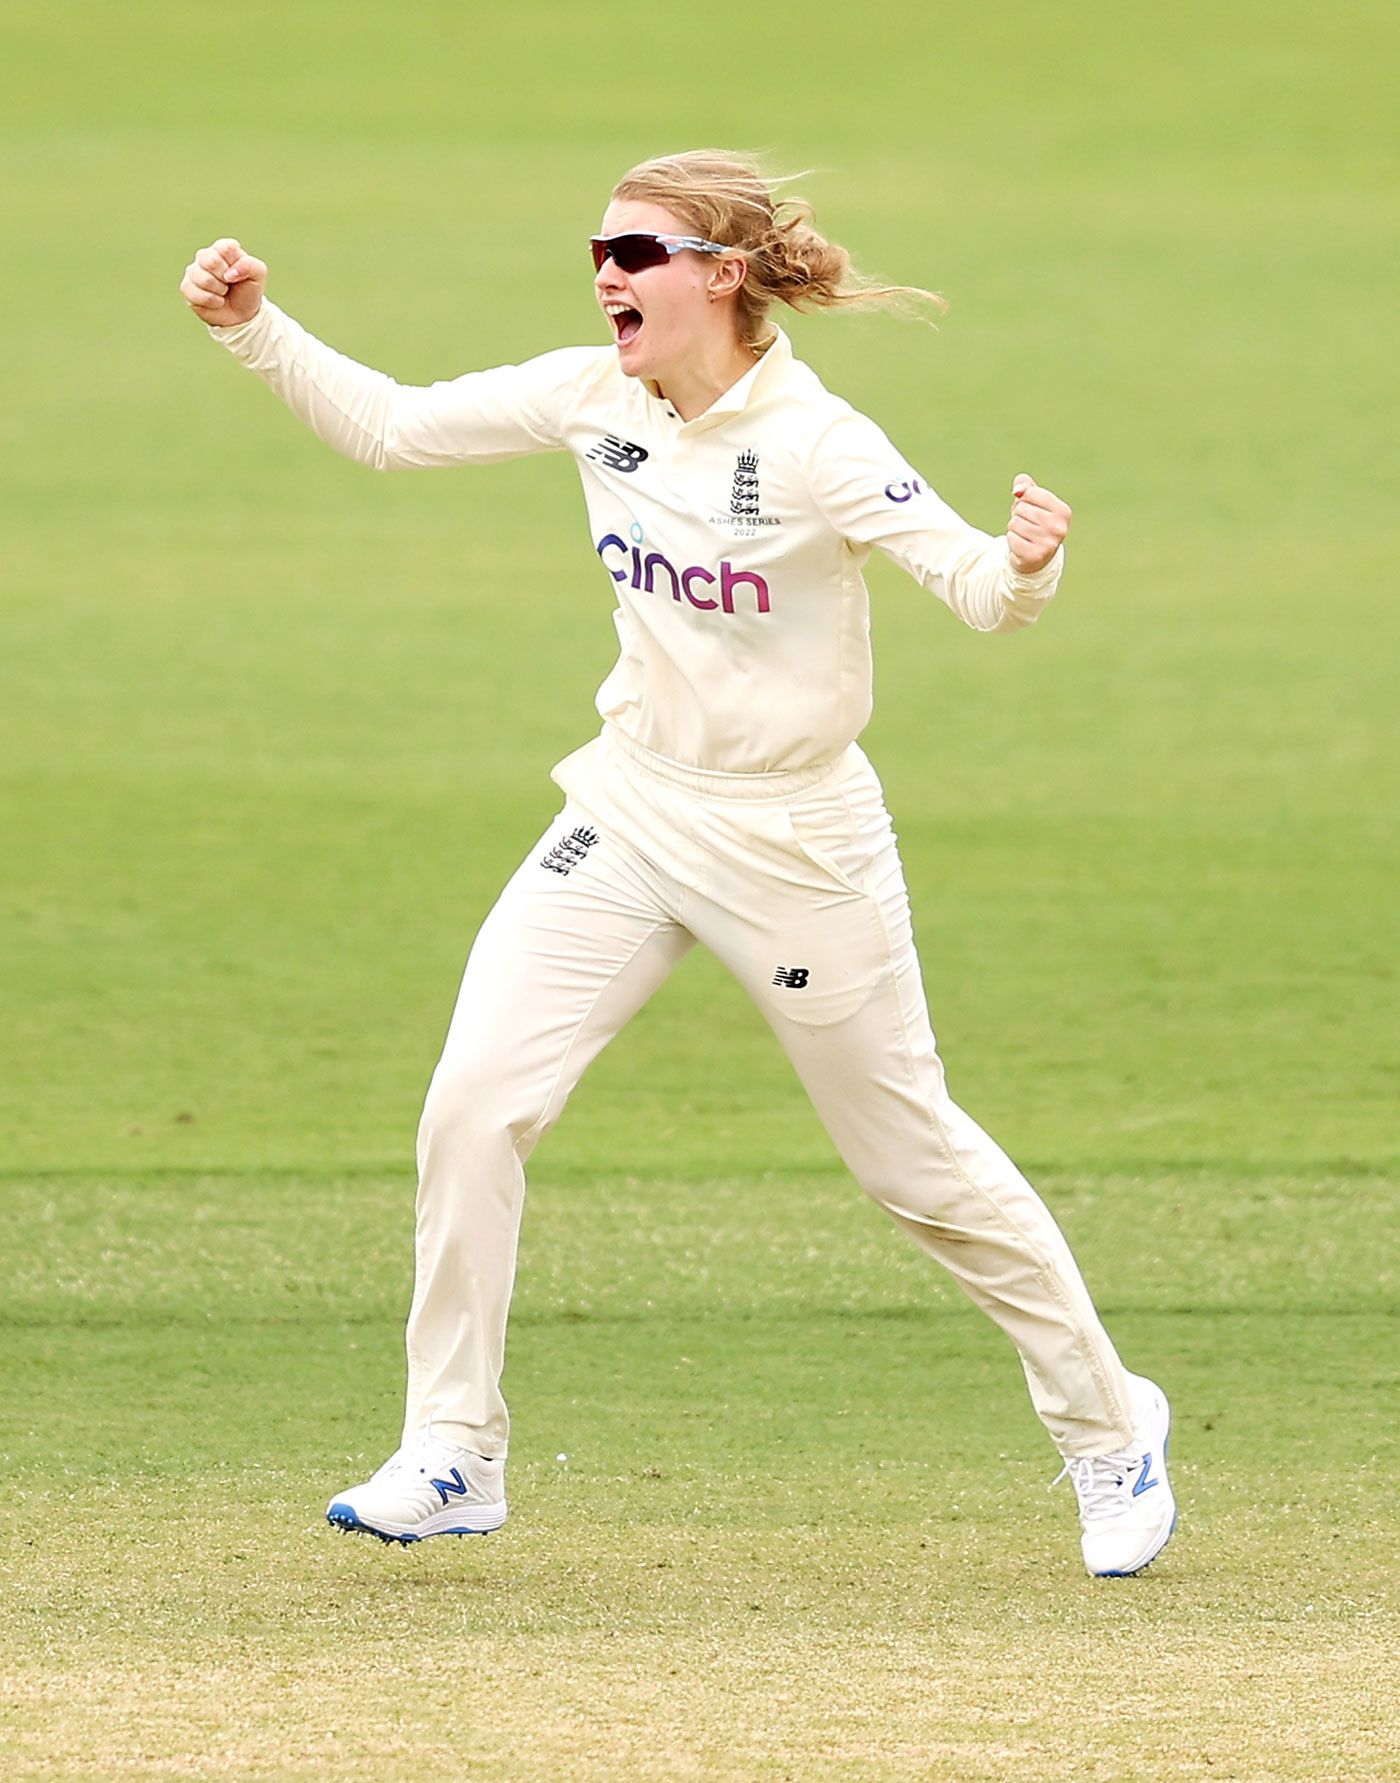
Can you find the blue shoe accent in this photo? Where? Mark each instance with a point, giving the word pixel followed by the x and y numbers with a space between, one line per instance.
pixel 1144 1481
pixel 1146 1563
pixel 454 1483
pixel 342 1516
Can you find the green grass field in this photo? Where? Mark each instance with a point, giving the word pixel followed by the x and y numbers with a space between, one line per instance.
pixel 275 731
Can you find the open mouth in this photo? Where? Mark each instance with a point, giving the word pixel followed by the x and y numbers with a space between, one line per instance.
pixel 627 324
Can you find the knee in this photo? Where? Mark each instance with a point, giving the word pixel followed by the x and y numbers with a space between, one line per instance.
pixel 474 1105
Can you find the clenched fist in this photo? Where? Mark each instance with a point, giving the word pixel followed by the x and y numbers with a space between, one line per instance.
pixel 223 285
pixel 1039 522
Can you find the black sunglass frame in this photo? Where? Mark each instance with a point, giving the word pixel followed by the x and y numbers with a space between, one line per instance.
pixel 652 249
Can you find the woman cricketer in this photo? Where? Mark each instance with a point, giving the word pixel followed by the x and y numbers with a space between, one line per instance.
pixel 732 501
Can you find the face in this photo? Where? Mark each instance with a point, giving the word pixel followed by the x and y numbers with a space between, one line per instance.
pixel 662 316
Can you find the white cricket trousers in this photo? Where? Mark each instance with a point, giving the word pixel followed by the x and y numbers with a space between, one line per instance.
pixel 794 881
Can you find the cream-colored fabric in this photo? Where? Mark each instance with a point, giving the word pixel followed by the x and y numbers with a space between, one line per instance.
pixel 733 544
pixel 796 885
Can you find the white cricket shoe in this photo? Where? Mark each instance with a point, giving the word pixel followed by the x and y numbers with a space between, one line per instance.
pixel 430 1487
pixel 1126 1509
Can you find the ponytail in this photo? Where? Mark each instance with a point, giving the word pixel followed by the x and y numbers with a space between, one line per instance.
pixel 728 198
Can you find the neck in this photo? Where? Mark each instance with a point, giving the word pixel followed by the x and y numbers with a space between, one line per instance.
pixel 705 376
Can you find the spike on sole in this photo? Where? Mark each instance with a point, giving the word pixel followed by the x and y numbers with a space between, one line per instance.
pixel 341 1517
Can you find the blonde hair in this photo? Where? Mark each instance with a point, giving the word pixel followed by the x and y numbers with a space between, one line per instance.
pixel 729 198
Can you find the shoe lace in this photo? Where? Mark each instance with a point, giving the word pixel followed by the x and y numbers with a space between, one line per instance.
pixel 421 1455
pixel 1098 1481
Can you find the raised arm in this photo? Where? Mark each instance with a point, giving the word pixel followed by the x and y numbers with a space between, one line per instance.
pixel 872 497
pixel 364 414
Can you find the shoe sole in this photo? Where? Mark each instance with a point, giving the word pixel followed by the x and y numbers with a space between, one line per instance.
pixel 345 1518
pixel 1131 1572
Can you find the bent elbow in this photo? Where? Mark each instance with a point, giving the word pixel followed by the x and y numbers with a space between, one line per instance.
pixel 1014 619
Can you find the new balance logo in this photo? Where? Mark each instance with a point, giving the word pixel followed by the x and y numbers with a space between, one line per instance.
pixel 569 852
pixel 1143 1481
pixel 453 1486
pixel 791 978
pixel 618 455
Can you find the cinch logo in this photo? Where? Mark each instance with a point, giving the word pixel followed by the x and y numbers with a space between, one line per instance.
pixel 618 455
pixel 644 570
pixel 904 491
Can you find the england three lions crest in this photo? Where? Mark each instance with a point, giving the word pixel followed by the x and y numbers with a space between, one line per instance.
pixel 743 503
pixel 745 514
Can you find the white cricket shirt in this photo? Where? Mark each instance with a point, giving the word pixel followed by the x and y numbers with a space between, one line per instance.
pixel 733 543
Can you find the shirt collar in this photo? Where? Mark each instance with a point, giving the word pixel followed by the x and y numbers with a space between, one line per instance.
pixel 776 355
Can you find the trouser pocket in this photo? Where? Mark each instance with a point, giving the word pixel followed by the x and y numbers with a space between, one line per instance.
pixel 843 827
pixel 794 915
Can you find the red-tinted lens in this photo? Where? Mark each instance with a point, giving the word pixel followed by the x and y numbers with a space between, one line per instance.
pixel 629 253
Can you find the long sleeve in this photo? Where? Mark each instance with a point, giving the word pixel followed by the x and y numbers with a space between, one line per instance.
pixel 365 415
pixel 872 497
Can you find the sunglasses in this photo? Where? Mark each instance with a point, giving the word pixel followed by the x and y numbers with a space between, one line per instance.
pixel 634 253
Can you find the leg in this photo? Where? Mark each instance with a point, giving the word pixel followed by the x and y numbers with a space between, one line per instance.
pixel 579 940
pixel 828 953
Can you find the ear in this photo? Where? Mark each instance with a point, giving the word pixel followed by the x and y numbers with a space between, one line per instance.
pixel 728 275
